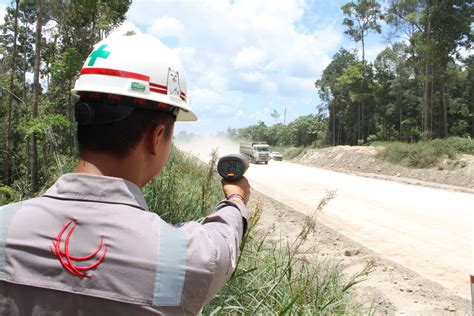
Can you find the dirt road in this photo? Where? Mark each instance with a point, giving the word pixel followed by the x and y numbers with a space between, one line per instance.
pixel 429 231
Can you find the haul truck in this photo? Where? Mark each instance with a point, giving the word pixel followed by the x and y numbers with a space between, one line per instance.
pixel 255 152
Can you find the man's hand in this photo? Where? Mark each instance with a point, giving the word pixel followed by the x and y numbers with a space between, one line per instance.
pixel 241 187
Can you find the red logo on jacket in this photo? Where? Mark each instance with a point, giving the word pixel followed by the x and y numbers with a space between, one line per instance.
pixel 67 260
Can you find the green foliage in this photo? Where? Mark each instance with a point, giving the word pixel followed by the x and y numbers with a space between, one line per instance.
pixel 68 65
pixel 41 125
pixel 462 145
pixel 407 81
pixel 184 190
pixel 362 19
pixel 277 279
pixel 425 154
pixel 371 139
pixel 304 131
pixel 78 26
pixel 8 195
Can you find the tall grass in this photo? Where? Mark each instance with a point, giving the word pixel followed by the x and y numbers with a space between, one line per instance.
pixel 270 279
pixel 277 279
pixel 184 190
pixel 425 154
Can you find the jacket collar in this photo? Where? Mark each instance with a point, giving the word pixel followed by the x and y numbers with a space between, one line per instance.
pixel 87 187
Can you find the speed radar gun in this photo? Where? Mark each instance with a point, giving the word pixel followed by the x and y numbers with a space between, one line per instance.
pixel 232 167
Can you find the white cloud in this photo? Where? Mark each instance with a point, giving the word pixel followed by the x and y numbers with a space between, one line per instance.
pixel 241 50
pixel 248 57
pixel 371 52
pixel 208 98
pixel 252 76
pixel 166 26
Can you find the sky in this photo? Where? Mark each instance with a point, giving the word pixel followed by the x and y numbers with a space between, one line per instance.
pixel 246 58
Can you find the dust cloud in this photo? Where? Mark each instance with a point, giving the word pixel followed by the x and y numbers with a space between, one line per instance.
pixel 202 146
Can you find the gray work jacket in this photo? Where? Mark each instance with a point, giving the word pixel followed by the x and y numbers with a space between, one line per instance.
pixel 89 246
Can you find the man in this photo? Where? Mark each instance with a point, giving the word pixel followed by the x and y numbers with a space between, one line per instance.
pixel 89 245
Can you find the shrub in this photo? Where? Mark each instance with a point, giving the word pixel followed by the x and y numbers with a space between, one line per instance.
pixel 8 195
pixel 184 190
pixel 462 145
pixel 371 139
pixel 424 154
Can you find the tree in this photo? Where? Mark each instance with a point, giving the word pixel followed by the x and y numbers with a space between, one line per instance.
pixel 358 88
pixel 275 115
pixel 468 91
pixel 451 30
pixel 412 15
pixel 439 29
pixel 7 160
pixel 335 99
pixel 36 95
pixel 396 92
pixel 306 130
pixel 41 117
pixel 362 19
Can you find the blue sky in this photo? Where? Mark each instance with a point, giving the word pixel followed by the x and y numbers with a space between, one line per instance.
pixel 245 58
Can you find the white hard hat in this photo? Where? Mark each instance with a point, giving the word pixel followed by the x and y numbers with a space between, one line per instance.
pixel 139 67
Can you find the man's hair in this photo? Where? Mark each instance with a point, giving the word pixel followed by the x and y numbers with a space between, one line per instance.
pixel 120 137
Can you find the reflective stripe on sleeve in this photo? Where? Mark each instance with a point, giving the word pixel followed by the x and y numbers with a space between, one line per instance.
pixel 171 266
pixel 6 215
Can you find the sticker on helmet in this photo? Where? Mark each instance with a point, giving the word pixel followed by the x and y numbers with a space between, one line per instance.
pixel 138 86
pixel 173 83
pixel 98 53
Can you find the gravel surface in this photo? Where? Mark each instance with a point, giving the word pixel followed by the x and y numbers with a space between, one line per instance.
pixel 390 289
pixel 361 160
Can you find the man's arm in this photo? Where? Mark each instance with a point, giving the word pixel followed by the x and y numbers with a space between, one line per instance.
pixel 213 246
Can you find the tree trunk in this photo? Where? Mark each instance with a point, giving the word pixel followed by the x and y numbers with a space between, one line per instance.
pixel 363 51
pixel 426 104
pixel 74 146
pixel 472 119
pixel 36 98
pixel 362 125
pixel 400 110
pixel 444 91
pixel 431 105
pixel 8 153
pixel 334 123
pixel 359 126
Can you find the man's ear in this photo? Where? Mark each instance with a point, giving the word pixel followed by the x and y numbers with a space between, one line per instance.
pixel 157 138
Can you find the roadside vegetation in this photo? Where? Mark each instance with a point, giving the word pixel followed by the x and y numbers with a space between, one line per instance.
pixel 440 153
pixel 418 88
pixel 426 154
pixel 271 279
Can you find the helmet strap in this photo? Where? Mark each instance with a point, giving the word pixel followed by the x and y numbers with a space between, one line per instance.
pixel 99 108
pixel 87 113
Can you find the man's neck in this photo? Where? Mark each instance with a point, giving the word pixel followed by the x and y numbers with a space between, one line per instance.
pixel 102 164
